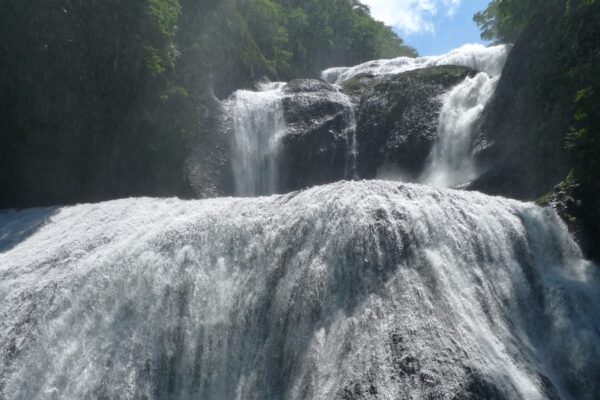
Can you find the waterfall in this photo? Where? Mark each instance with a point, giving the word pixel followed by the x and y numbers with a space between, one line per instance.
pixel 258 124
pixel 372 288
pixel 450 162
pixel 350 132
pixel 351 290
pixel 259 119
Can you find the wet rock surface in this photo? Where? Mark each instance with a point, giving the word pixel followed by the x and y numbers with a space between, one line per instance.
pixel 354 290
pixel 315 149
pixel 397 117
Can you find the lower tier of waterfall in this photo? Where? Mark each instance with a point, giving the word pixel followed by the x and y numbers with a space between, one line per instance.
pixel 354 290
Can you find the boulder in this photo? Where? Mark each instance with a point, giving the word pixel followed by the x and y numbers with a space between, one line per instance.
pixel 316 147
pixel 397 117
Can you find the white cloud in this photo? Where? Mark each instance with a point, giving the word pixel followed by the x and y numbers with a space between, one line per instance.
pixel 411 16
pixel 452 6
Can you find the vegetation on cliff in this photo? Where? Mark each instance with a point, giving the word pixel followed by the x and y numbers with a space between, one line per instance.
pixel 565 75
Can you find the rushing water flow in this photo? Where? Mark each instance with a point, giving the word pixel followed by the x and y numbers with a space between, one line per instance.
pixel 480 58
pixel 350 132
pixel 258 124
pixel 450 163
pixel 390 290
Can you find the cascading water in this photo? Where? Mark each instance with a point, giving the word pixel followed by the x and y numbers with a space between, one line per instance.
pixel 450 162
pixel 259 121
pixel 258 124
pixel 353 290
pixel 350 132
pixel 480 58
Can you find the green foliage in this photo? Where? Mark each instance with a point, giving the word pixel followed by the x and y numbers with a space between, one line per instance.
pixel 503 20
pixel 300 38
pixel 166 13
pixel 266 20
pixel 83 84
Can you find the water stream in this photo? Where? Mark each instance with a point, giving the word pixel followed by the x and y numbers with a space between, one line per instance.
pixel 450 163
pixel 258 124
pixel 386 289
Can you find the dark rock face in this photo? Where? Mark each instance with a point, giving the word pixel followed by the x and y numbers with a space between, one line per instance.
pixel 316 147
pixel 396 124
pixel 521 140
pixel 397 117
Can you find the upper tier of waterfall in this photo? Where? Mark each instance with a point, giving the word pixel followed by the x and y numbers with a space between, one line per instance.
pixel 450 163
pixel 373 289
pixel 475 56
pixel 262 165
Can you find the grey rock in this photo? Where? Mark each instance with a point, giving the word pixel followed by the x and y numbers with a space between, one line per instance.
pixel 397 117
pixel 315 149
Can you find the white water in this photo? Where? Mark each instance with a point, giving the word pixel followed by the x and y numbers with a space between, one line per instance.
pixel 450 162
pixel 405 291
pixel 350 133
pixel 478 57
pixel 258 125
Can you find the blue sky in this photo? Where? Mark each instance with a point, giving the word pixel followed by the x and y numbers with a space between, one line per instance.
pixel 431 26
